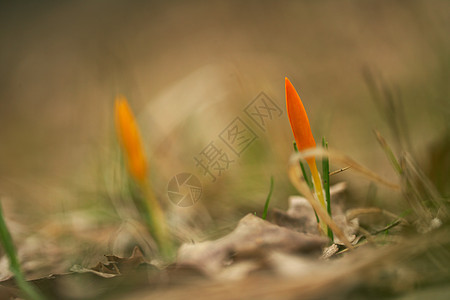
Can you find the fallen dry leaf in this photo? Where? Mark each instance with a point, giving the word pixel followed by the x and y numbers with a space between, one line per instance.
pixel 253 237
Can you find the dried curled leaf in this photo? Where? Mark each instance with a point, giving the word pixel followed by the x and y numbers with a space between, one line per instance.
pixel 253 235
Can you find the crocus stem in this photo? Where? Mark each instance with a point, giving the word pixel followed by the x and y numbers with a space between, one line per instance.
pixel 317 182
pixel 305 176
pixel 318 189
pixel 155 219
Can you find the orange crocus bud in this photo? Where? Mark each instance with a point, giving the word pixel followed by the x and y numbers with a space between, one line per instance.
pixel 298 118
pixel 130 139
pixel 303 136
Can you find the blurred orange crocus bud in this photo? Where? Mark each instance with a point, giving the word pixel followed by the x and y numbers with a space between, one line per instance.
pixel 130 139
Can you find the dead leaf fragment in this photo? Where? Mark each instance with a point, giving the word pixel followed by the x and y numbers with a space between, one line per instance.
pixel 252 235
pixel 116 265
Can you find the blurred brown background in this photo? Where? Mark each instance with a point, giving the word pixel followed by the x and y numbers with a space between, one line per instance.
pixel 188 69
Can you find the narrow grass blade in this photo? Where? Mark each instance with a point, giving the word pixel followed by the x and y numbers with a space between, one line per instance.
pixel 28 290
pixel 266 206
pixel 326 185
pixel 388 151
